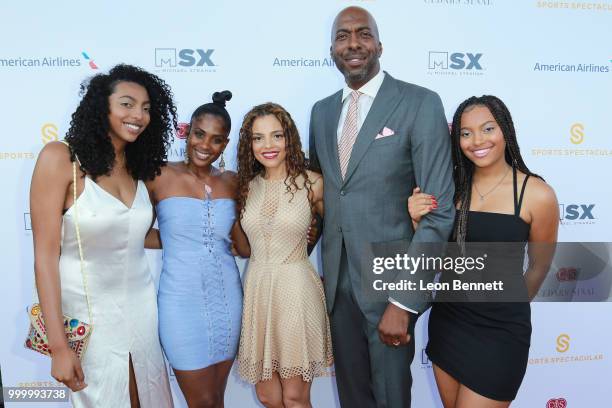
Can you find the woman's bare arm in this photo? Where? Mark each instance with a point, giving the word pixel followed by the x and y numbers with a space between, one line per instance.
pixel 544 211
pixel 240 241
pixel 51 180
pixel 50 193
pixel 317 192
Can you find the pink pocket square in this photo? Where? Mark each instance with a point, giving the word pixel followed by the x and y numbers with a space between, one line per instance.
pixel 386 132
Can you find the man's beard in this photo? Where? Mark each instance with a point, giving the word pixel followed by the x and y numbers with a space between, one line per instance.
pixel 358 76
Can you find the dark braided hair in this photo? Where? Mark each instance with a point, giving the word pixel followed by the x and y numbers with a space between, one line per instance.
pixel 216 108
pixel 249 167
pixel 89 137
pixel 463 169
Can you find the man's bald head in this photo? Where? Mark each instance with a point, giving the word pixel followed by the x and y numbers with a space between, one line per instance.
pixel 353 12
pixel 356 46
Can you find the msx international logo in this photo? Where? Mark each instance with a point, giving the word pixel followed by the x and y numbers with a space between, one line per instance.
pixel 186 57
pixel 443 60
pixel 573 212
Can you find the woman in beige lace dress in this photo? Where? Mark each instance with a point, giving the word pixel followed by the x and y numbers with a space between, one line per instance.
pixel 285 338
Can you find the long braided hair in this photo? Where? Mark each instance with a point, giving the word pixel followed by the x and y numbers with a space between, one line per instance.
pixel 463 168
pixel 249 167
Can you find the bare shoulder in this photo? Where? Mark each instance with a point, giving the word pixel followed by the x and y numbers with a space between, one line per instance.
pixel 54 158
pixel 55 151
pixel 230 179
pixel 169 170
pixel 172 169
pixel 539 195
pixel 52 174
pixel 230 176
pixel 540 191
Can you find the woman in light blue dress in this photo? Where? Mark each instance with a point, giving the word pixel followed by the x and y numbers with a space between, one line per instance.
pixel 200 292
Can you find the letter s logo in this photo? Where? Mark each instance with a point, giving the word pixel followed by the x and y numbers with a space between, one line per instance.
pixel 577 133
pixel 187 58
pixel 457 59
pixel 563 343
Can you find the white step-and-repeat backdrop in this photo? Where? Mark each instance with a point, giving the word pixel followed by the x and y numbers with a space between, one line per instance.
pixel 550 61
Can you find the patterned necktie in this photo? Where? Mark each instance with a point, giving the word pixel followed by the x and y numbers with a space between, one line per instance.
pixel 349 133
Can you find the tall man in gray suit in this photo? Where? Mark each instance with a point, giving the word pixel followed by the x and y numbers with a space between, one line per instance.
pixel 374 141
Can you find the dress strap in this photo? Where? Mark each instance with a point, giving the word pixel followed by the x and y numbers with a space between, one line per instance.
pixel 78 233
pixel 516 205
pixel 519 204
pixel 75 155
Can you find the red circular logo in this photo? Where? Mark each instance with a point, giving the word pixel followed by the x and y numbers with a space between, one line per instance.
pixel 181 132
pixel 567 274
pixel 556 403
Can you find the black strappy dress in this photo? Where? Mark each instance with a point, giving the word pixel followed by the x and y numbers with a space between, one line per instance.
pixel 485 346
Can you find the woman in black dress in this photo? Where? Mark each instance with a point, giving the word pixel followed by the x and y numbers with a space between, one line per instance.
pixel 479 351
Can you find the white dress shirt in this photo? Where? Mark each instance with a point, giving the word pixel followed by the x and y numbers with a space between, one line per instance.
pixel 369 91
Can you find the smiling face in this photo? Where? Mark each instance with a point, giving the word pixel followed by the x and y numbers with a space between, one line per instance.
pixel 356 47
pixel 206 140
pixel 481 139
pixel 269 142
pixel 128 114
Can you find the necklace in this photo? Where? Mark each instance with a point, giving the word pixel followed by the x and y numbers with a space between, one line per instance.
pixel 482 196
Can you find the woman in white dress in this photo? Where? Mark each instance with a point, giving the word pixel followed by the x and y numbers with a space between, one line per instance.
pixel 118 137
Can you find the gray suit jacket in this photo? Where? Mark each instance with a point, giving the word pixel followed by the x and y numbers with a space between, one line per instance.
pixel 370 204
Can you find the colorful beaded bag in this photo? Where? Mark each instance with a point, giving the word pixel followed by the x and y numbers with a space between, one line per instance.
pixel 77 332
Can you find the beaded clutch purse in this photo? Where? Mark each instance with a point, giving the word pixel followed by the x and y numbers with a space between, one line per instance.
pixel 77 333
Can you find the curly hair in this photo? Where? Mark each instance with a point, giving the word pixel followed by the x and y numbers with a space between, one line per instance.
pixel 89 137
pixel 463 169
pixel 249 167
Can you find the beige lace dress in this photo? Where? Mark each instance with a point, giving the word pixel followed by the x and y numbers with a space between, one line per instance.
pixel 285 327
